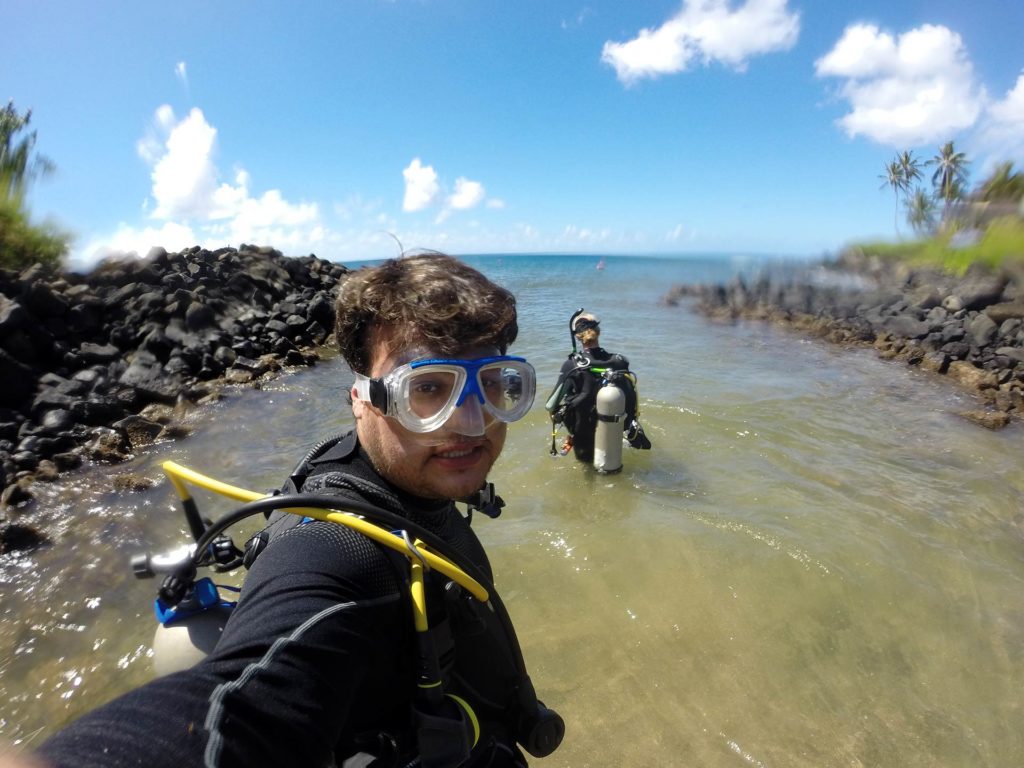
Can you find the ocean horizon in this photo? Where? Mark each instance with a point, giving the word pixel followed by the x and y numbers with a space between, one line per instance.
pixel 818 562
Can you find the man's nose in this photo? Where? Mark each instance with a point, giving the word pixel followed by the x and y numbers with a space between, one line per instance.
pixel 468 418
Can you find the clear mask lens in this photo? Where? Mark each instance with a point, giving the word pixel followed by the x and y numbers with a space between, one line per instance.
pixel 463 396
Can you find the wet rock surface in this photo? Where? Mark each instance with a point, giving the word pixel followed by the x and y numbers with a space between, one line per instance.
pixel 98 365
pixel 969 328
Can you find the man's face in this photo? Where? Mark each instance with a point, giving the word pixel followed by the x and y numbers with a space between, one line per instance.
pixel 453 469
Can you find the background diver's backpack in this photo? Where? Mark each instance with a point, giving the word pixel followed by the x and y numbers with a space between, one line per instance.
pixel 614 369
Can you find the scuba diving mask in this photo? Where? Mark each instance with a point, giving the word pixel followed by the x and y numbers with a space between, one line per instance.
pixel 424 394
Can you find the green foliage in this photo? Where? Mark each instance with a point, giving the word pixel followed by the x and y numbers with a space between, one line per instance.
pixel 17 165
pixel 986 217
pixel 900 175
pixel 950 176
pixel 920 209
pixel 22 244
pixel 1001 243
pixel 894 178
pixel 1004 185
pixel 910 169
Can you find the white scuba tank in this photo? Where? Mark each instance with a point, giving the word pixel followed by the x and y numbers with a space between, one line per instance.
pixel 611 416
pixel 187 641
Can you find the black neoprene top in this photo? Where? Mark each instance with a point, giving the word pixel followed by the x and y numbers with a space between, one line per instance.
pixel 316 661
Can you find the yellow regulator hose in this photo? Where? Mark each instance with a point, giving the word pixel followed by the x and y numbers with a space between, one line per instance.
pixel 179 474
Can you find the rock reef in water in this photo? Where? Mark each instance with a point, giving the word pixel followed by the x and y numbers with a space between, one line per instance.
pixel 969 328
pixel 96 365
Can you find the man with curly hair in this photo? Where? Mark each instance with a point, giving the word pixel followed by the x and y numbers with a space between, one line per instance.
pixel 320 663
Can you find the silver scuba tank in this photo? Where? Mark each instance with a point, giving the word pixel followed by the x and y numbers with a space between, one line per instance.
pixel 188 631
pixel 611 416
pixel 188 641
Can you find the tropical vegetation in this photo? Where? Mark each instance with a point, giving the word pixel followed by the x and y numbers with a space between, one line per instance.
pixel 956 226
pixel 23 243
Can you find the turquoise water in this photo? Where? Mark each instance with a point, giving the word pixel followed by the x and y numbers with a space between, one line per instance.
pixel 819 564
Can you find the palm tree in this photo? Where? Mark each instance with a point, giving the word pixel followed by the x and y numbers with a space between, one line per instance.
pixel 950 177
pixel 1003 185
pixel 911 168
pixel 920 210
pixel 17 166
pixel 894 178
pixel 21 242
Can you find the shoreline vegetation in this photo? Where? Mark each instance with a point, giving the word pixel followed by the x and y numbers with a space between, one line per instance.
pixel 957 312
pixel 951 302
pixel 97 366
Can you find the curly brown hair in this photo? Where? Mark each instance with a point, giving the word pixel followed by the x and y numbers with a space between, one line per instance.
pixel 427 298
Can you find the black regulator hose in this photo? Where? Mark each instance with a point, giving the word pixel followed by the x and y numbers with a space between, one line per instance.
pixel 375 514
pixel 540 730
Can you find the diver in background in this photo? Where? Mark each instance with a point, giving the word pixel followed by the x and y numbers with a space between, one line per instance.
pixel 319 662
pixel 580 379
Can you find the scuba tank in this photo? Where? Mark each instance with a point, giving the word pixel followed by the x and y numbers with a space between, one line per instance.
pixel 187 641
pixel 611 413
pixel 190 612
pixel 445 726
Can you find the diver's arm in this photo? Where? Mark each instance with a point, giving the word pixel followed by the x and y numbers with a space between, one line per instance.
pixel 280 688
pixel 321 609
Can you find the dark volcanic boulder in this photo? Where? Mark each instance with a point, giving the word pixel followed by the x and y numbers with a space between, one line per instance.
pixel 17 381
pixel 15 537
pixel 969 328
pixel 81 351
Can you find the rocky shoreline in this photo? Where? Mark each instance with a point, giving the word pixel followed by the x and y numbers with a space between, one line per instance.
pixel 969 328
pixel 98 365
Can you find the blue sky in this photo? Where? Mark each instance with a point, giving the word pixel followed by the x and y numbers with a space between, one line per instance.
pixel 475 126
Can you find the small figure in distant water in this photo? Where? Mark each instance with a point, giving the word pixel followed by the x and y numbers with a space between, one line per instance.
pixel 581 402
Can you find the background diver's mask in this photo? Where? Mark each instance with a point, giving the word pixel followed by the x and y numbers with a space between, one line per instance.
pixel 425 394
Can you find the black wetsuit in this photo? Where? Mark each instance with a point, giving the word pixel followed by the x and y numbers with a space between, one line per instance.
pixel 580 396
pixel 343 680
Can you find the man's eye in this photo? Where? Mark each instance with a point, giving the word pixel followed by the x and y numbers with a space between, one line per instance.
pixel 426 387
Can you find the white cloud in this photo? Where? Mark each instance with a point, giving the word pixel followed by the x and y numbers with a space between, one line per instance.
pixel 129 240
pixel 355 206
pixel 196 208
pixel 262 219
pixel 186 181
pixel 421 187
pixel 495 203
pixel 184 177
pixel 151 146
pixel 583 235
pixel 181 72
pixel 528 232
pixel 578 20
pixel 707 31
pixel 467 194
pixel 1002 132
pixel 910 90
pixel 1010 111
pixel 186 185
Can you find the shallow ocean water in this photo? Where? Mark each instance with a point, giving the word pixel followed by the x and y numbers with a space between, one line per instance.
pixel 818 564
